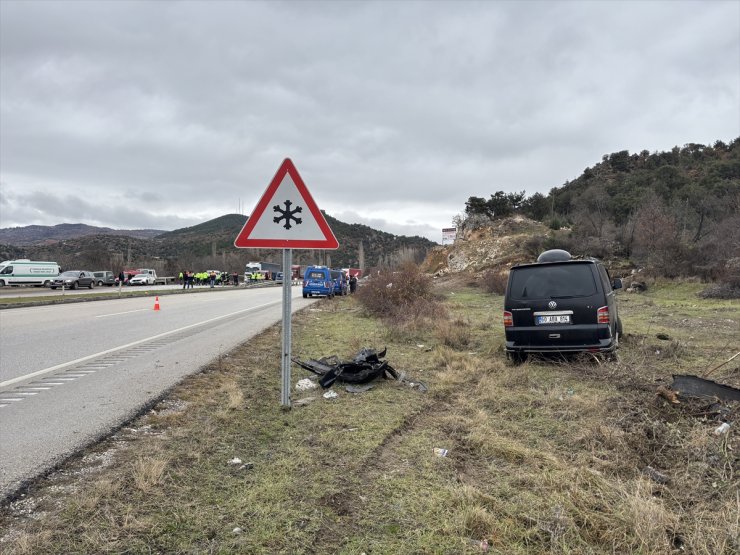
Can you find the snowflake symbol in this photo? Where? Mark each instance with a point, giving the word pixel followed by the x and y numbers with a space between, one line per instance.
pixel 287 214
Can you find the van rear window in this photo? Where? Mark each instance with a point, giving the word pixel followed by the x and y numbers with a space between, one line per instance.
pixel 316 275
pixel 552 281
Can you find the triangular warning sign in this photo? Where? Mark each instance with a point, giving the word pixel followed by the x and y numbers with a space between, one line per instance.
pixel 286 217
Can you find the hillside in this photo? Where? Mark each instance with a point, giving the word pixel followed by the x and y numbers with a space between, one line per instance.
pixel 674 213
pixel 498 246
pixel 44 234
pixel 209 244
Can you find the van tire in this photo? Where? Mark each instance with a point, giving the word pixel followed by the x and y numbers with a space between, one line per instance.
pixel 92 284
pixel 46 283
pixel 2 283
pixel 305 295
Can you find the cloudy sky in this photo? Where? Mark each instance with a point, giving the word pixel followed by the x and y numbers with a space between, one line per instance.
pixel 167 114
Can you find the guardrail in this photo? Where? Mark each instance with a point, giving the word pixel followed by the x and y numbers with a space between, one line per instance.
pixel 166 280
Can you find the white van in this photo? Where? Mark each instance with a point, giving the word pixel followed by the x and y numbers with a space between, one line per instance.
pixel 27 272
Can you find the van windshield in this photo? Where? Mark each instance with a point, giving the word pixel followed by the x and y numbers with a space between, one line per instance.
pixel 552 282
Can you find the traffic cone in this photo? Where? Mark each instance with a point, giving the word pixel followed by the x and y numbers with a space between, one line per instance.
pixel 156 303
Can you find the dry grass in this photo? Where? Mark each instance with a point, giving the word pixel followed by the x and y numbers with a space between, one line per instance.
pixel 547 457
pixel 148 473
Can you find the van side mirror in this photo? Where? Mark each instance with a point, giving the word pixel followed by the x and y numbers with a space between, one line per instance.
pixel 617 283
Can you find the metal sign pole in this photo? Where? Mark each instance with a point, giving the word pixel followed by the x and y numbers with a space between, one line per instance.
pixel 287 296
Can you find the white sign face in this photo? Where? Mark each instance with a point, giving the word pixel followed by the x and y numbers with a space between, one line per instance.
pixel 448 235
pixel 287 216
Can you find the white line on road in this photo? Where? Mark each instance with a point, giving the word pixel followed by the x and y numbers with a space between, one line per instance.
pixel 139 342
pixel 119 313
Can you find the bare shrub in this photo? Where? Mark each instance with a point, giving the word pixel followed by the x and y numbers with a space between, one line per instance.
pixel 494 281
pixel 400 296
pixel 453 334
pixel 721 291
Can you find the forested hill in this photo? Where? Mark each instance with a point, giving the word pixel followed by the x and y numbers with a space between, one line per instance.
pixel 217 235
pixel 676 212
pixel 211 245
pixel 706 179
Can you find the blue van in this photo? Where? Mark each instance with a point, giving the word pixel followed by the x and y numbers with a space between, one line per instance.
pixel 317 281
pixel 341 286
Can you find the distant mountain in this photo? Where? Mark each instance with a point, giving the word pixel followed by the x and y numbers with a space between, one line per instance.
pixel 203 246
pixel 44 234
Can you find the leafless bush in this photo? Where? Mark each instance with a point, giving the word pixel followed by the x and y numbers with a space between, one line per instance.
pixel 494 281
pixel 401 295
pixel 453 334
pixel 721 291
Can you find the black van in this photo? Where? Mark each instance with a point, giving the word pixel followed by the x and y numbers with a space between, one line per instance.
pixel 560 305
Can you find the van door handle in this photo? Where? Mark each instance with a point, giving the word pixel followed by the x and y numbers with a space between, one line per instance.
pixel 554 336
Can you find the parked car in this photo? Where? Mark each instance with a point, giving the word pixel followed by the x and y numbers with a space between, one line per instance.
pixel 72 279
pixel 142 279
pixel 341 286
pixel 104 278
pixel 317 281
pixel 560 305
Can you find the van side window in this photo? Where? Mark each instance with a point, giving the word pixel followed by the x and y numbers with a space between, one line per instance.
pixel 7 270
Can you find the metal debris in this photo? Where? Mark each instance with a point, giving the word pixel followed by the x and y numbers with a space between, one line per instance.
pixel 358 388
pixel 655 476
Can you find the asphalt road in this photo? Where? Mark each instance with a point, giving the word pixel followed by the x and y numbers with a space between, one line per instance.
pixel 72 373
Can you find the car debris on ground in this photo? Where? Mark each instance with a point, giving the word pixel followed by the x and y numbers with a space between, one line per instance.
pixel 687 384
pixel 366 366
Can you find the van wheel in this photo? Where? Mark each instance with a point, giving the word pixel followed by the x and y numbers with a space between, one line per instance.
pixel 305 295
pixel 92 284
pixel 100 284
pixel 46 283
pixel 2 283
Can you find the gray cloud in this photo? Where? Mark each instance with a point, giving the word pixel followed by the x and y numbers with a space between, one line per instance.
pixel 394 112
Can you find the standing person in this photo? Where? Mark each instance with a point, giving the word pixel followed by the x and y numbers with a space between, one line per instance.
pixel 121 277
pixel 212 278
pixel 235 277
pixel 352 284
pixel 191 279
pixel 184 278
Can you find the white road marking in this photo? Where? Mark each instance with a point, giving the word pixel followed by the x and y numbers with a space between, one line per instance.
pixel 119 313
pixel 139 342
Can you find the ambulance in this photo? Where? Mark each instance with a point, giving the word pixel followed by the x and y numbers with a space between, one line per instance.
pixel 27 272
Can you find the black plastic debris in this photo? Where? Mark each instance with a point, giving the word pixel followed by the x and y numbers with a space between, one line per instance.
pixel 366 366
pixel 702 387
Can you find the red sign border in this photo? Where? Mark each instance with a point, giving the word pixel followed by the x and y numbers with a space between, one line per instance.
pixel 243 241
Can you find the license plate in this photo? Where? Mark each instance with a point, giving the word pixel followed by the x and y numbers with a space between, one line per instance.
pixel 559 319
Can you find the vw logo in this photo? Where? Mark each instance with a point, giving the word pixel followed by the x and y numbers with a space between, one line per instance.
pixel 552 305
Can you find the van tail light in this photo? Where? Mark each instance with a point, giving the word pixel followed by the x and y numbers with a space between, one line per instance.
pixel 602 315
pixel 508 319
